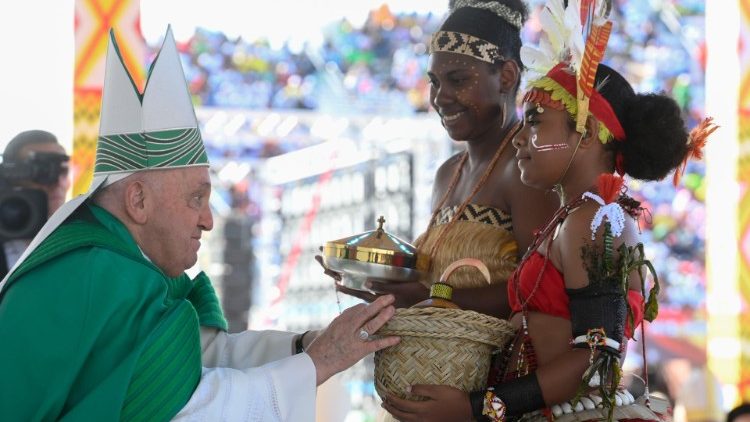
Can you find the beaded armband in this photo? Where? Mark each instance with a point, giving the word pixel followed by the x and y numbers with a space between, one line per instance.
pixel 596 338
pixel 597 316
pixel 509 399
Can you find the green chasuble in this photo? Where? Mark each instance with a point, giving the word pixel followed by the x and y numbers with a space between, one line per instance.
pixel 92 331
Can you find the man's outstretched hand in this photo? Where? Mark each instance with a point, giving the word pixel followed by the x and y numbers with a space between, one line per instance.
pixel 349 337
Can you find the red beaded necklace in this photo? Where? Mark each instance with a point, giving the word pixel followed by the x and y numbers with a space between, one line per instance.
pixel 526 361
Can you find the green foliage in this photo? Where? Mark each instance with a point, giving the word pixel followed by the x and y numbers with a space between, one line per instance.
pixel 602 267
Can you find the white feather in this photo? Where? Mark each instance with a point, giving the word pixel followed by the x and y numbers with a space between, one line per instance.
pixel 556 9
pixel 562 37
pixel 554 30
pixel 536 62
pixel 575 39
pixel 552 43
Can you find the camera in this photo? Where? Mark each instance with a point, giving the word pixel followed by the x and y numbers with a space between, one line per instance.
pixel 23 210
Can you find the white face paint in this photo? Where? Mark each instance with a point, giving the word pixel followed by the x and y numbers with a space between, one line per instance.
pixel 546 148
pixel 534 138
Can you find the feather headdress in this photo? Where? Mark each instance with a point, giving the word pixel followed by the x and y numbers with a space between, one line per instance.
pixel 573 40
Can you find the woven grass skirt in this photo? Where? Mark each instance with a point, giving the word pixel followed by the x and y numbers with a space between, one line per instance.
pixel 438 346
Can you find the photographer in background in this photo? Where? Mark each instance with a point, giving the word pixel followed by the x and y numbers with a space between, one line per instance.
pixel 33 163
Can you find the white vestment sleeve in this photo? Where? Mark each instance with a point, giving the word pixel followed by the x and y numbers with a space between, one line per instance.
pixel 247 349
pixel 279 391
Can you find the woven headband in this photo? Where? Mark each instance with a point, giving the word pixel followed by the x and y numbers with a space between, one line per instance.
pixel 469 45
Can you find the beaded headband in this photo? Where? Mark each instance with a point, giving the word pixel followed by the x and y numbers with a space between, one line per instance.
pixel 509 15
pixel 469 45
pixel 559 87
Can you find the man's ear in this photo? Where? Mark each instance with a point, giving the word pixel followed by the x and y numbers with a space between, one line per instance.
pixel 135 201
pixel 509 76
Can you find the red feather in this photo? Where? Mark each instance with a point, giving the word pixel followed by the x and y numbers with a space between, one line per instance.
pixel 609 186
pixel 586 6
pixel 592 56
pixel 593 53
pixel 696 142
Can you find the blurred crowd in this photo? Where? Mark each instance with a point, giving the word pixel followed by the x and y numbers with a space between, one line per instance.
pixel 380 66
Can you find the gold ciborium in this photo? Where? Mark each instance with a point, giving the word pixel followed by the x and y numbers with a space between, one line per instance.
pixel 374 254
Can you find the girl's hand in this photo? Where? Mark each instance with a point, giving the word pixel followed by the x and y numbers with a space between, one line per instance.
pixel 443 404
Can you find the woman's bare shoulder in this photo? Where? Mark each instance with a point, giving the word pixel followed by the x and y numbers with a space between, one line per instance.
pixel 449 166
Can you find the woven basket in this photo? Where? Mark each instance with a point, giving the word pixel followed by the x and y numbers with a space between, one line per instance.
pixel 438 346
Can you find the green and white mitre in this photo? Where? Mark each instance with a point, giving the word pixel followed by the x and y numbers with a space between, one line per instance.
pixel 150 131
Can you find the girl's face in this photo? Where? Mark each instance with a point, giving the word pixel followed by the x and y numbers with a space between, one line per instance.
pixel 544 145
pixel 466 93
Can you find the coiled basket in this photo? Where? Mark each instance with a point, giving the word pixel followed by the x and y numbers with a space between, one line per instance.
pixel 438 346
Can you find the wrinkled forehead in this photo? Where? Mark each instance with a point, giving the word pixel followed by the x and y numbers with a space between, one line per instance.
pixel 181 179
pixel 193 177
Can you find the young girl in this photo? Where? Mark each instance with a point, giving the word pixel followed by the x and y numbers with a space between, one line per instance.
pixel 579 291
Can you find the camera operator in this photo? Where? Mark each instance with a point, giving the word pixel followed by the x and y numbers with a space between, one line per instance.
pixel 37 162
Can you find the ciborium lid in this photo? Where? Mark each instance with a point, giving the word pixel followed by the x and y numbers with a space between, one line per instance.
pixel 377 247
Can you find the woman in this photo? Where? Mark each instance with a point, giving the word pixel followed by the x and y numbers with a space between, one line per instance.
pixel 474 72
pixel 578 292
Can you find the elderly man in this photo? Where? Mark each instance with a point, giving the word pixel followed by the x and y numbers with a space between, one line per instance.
pixel 99 320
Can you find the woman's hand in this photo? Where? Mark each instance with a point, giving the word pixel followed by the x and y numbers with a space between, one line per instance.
pixel 327 271
pixel 360 294
pixel 443 404
pixel 406 293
